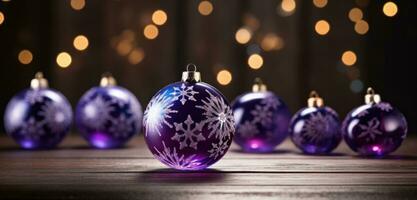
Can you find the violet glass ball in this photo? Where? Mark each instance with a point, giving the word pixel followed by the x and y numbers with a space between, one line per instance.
pixel 262 120
pixel 39 117
pixel 316 130
pixel 108 116
pixel 374 129
pixel 188 125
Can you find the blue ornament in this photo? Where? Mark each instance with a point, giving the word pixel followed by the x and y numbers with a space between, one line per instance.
pixel 38 117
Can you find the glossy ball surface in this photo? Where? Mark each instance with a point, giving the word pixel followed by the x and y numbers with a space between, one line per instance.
pixel 316 130
pixel 262 121
pixel 38 118
pixel 108 117
pixel 374 129
pixel 188 126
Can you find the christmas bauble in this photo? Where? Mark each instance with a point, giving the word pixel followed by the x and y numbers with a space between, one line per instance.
pixel 261 118
pixel 315 129
pixel 189 124
pixel 38 117
pixel 108 116
pixel 375 128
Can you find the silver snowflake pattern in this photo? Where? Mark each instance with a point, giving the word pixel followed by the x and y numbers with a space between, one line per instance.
pixel 32 129
pixel 97 112
pixel 157 113
pixel 262 114
pixel 218 149
pixel 188 134
pixel 248 129
pixel 172 159
pixel 219 117
pixel 371 130
pixel 184 93
pixel 55 116
pixel 315 127
pixel 271 102
pixel 121 126
pixel 34 96
pixel 384 106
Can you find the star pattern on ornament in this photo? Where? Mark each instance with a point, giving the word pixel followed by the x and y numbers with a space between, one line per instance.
pixel 122 126
pixel 271 102
pixel 262 115
pixel 188 134
pixel 55 117
pixel 315 127
pixel 219 117
pixel 184 93
pixel 97 112
pixel 32 129
pixel 34 96
pixel 157 113
pixel 371 130
pixel 248 129
pixel 218 149
pixel 172 159
pixel 384 106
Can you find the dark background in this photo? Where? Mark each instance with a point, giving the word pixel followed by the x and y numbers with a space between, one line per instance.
pixel 386 54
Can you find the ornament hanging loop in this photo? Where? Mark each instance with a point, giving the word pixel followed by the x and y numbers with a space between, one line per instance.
pixel 258 85
pixel 315 100
pixel 371 97
pixel 39 81
pixel 191 74
pixel 107 79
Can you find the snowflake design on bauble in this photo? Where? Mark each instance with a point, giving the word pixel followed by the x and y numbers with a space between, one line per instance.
pixel 34 96
pixel 157 113
pixel 263 115
pixel 315 127
pixel 271 102
pixel 184 93
pixel 331 111
pixel 97 111
pixel 384 106
pixel 363 113
pixel 218 149
pixel 122 126
pixel 188 134
pixel 172 159
pixel 371 130
pixel 32 129
pixel 219 117
pixel 55 116
pixel 248 129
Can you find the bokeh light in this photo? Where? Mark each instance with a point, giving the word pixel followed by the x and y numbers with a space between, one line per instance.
pixel 136 56
pixel 150 31
pixel 322 27
pixel 356 86
pixel 25 57
pixel 320 3
pixel 124 47
pixel 80 42
pixel 64 59
pixel 205 8
pixel 255 61
pixel 243 35
pixel 361 27
pixel 355 14
pixel 288 5
pixel 224 77
pixel 272 42
pixel 349 58
pixel 1 18
pixel 390 9
pixel 77 4
pixel 159 17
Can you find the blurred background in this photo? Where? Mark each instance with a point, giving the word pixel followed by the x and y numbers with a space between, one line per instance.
pixel 338 48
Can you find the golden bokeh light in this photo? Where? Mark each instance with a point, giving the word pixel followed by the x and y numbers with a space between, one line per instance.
pixel 390 9
pixel 136 56
pixel 1 18
pixel 322 27
pixel 159 17
pixel 255 61
pixel 288 5
pixel 320 3
pixel 349 58
pixel 355 14
pixel 150 31
pixel 361 27
pixel 124 47
pixel 272 42
pixel 80 42
pixel 25 57
pixel 243 35
pixel 224 77
pixel 205 8
pixel 64 59
pixel 77 4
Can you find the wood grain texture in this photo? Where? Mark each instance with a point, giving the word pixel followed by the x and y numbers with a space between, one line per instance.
pixel 73 171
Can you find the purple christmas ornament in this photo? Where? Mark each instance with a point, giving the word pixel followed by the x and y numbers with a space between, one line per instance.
pixel 189 124
pixel 375 128
pixel 316 128
pixel 38 117
pixel 261 118
pixel 108 116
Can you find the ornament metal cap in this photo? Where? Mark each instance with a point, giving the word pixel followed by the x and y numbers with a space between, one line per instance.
pixel 191 75
pixel 258 85
pixel 315 100
pixel 107 80
pixel 39 81
pixel 371 97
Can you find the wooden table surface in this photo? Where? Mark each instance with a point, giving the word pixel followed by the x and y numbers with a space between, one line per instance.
pixel 73 171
